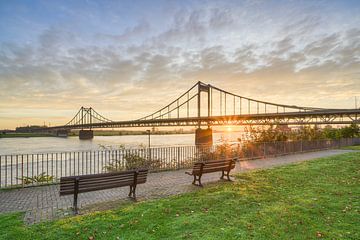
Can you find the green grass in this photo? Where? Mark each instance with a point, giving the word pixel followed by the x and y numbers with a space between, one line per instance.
pixel 310 200
pixel 356 147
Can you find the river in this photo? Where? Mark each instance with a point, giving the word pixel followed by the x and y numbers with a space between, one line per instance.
pixel 54 144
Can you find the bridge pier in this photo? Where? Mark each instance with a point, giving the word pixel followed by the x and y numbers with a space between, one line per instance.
pixel 203 136
pixel 86 134
pixel 62 133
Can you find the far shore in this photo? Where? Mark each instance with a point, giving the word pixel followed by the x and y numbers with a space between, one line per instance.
pixel 99 133
pixel 96 133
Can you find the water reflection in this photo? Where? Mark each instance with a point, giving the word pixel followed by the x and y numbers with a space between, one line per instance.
pixel 52 144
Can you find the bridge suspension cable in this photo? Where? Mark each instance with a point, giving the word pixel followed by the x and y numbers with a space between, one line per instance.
pixel 219 103
pixel 87 116
pixel 204 104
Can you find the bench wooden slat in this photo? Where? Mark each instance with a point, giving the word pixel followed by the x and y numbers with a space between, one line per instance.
pixel 102 175
pixel 214 169
pixel 211 169
pixel 225 165
pixel 89 180
pixel 216 166
pixel 95 181
pixel 85 181
pixel 90 188
pixel 112 179
pixel 217 163
pixel 101 184
pixel 98 175
pixel 101 181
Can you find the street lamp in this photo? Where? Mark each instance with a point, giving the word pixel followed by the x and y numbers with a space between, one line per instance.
pixel 149 133
pixel 149 154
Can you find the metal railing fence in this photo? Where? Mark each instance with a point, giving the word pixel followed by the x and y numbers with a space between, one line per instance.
pixel 23 170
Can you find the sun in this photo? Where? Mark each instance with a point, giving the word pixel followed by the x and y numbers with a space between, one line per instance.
pixel 229 129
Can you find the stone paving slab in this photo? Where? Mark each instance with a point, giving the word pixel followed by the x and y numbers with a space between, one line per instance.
pixel 44 203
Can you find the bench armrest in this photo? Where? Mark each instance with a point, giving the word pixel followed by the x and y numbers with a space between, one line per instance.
pixel 189 173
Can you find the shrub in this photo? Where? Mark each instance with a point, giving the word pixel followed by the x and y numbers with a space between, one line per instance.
pixel 41 178
pixel 221 151
pixel 132 160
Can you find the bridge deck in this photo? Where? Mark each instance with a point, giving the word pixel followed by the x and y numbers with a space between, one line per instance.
pixel 341 116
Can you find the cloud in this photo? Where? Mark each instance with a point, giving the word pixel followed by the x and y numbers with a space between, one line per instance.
pixel 302 27
pixel 130 33
pixel 147 65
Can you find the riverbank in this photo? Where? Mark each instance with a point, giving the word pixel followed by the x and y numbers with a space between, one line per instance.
pixel 24 135
pixel 135 133
pixel 31 145
pixel 96 133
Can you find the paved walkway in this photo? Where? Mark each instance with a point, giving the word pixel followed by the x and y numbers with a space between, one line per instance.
pixel 44 203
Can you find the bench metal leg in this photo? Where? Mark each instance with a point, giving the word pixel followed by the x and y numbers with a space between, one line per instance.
pixel 75 207
pixel 222 175
pixel 228 177
pixel 197 180
pixel 76 192
pixel 132 193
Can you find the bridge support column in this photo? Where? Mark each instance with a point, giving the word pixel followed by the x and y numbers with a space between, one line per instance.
pixel 203 136
pixel 62 133
pixel 86 134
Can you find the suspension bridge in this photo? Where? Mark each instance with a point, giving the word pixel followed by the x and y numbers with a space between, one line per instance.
pixel 205 105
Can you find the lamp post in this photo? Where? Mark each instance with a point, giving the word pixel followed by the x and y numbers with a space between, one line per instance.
pixel 149 133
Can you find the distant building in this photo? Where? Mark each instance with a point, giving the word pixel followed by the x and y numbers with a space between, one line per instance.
pixel 4 131
pixel 28 129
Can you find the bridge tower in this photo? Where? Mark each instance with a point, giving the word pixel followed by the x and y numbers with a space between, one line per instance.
pixel 86 119
pixel 203 136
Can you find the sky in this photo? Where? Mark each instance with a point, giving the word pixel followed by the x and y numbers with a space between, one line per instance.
pixel 127 59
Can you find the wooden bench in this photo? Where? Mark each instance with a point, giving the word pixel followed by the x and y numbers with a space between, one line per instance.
pixel 87 183
pixel 200 168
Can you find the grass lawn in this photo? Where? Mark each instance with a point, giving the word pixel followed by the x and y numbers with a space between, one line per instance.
pixel 310 200
pixel 356 147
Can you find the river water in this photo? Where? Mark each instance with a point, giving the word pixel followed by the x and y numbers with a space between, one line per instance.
pixel 54 144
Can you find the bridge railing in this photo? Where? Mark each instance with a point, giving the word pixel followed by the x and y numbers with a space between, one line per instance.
pixel 23 170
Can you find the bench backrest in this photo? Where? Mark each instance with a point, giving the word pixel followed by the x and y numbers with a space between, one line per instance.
pixel 101 181
pixel 214 166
